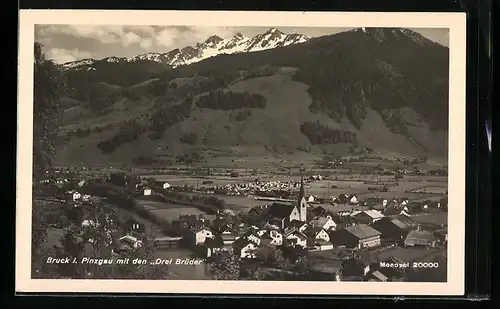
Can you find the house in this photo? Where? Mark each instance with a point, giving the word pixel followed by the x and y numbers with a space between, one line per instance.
pixel 74 195
pixel 198 235
pixel 130 241
pixel 343 222
pixel 147 191
pixel 277 238
pixel 352 199
pixel 295 238
pixel 357 236
pixel 392 229
pixel 325 223
pixel 212 246
pixel 81 183
pixel 165 185
pixel 263 239
pixel 355 269
pixel 245 248
pixel 315 234
pixel 367 216
pixel 420 238
pixel 311 199
pixel 322 245
pixel 318 211
pixel 344 212
pixel 86 197
pixel 89 223
pixel 296 224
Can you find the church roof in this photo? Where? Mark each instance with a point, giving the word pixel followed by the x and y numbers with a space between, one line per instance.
pixel 280 211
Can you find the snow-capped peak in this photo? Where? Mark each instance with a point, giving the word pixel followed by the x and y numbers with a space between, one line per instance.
pixel 212 46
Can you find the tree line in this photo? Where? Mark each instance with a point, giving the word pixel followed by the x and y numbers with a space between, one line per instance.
pixel 228 100
pixel 318 133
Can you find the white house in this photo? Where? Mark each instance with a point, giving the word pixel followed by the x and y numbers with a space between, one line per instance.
pixel 88 223
pixel 147 191
pixel 200 235
pixel 353 199
pixel 315 234
pixel 311 199
pixel 322 245
pixel 277 238
pixel 74 195
pixel 131 241
pixel 297 225
pixel 245 248
pixel 86 197
pixel 166 185
pixel 295 238
pixel 256 238
pixel 325 223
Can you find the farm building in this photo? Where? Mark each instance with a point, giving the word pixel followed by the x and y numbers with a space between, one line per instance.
pixel 357 236
pixel 355 269
pixel 326 270
pixel 367 216
pixel 420 238
pixel 392 228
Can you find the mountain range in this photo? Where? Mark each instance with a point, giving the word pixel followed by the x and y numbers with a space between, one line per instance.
pixel 272 95
pixel 212 46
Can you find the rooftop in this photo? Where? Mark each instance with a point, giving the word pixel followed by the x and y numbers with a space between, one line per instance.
pixel 362 231
pixel 278 210
pixel 421 238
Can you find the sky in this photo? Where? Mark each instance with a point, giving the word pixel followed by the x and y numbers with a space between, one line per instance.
pixel 65 43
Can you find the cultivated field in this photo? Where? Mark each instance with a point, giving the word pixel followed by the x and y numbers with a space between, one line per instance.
pixel 437 218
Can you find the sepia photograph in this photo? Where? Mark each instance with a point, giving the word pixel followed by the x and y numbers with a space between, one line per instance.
pixel 242 151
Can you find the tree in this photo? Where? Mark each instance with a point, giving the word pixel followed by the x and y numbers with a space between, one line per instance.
pixel 270 255
pixel 302 265
pixel 225 266
pixel 48 84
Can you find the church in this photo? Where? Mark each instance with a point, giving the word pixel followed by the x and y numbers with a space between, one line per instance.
pixel 280 215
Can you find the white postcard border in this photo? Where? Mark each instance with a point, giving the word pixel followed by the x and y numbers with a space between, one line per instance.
pixel 456 22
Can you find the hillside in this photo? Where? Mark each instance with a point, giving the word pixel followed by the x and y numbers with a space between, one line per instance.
pixel 383 89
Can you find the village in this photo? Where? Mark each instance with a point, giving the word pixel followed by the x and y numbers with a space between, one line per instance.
pixel 344 237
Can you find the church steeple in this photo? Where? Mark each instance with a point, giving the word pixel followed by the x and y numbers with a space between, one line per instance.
pixel 301 190
pixel 302 204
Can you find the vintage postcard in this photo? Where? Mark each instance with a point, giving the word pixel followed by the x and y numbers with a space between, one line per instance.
pixel 241 152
